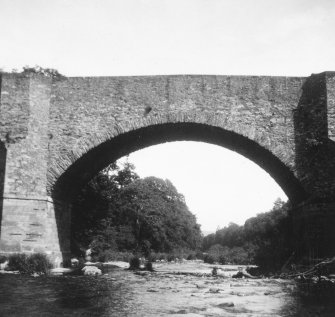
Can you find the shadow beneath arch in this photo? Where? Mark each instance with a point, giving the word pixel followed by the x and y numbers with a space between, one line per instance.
pixel 315 152
pixel 314 219
pixel 3 157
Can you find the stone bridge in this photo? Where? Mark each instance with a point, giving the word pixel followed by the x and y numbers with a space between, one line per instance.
pixel 56 133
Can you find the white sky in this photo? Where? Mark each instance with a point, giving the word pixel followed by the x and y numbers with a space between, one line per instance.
pixel 144 37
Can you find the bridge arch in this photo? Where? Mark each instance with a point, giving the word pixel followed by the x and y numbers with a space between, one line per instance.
pixel 73 169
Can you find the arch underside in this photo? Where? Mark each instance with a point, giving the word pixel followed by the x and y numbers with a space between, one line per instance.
pixel 83 169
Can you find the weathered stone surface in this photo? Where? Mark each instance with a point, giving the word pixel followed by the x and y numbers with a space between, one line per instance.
pixel 330 82
pixel 86 113
pixel 56 134
pixel 30 225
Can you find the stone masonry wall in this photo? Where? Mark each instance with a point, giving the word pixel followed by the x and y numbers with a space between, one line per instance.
pixel 24 130
pixel 315 150
pixel 28 222
pixel 331 104
pixel 14 112
pixel 85 112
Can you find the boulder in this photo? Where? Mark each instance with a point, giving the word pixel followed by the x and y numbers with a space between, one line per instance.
pixel 4 265
pixel 91 270
pixel 74 262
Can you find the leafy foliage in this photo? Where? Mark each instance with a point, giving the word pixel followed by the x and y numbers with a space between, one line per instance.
pixel 18 262
pixel 92 215
pixel 270 235
pixel 3 258
pixel 118 211
pixel 210 259
pixel 134 263
pixel 112 255
pixel 29 264
pixel 48 72
pixel 159 215
pixel 254 242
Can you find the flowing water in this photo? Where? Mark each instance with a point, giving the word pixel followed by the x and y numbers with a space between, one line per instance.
pixel 173 290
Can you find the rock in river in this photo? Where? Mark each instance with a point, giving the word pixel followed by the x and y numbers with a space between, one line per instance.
pixel 91 270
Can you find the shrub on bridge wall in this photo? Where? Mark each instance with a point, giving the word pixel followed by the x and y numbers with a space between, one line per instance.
pixel 29 264
pixel 48 72
pixel 26 70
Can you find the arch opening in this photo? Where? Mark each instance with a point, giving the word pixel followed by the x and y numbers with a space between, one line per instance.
pixel 87 166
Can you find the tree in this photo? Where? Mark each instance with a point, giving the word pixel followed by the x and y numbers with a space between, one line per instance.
pixel 160 215
pixel 117 210
pixel 257 239
pixel 97 201
pixel 268 232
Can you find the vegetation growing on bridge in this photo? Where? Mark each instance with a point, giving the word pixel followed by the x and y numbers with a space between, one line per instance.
pixel 48 72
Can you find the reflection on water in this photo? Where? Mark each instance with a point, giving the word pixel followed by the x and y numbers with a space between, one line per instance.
pixel 66 296
pixel 123 293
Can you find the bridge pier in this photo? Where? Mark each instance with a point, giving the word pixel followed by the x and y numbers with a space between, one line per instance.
pixel 36 225
pixel 30 220
pixel 313 229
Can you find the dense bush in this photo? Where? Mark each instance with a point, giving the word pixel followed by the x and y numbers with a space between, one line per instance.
pixel 223 259
pixel 134 263
pixel 157 256
pixel 191 256
pixel 210 259
pixel 111 255
pixel 171 257
pixel 3 258
pixel 153 257
pixel 39 263
pixel 264 240
pixel 199 255
pixel 148 266
pixel 238 255
pixel 29 264
pixel 225 255
pixel 18 262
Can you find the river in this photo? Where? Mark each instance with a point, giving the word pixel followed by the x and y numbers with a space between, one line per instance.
pixel 173 290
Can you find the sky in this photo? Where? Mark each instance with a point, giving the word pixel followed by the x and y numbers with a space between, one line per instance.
pixel 151 37
pixel 219 185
